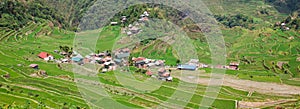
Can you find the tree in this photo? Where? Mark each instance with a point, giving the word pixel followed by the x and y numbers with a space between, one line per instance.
pixel 178 61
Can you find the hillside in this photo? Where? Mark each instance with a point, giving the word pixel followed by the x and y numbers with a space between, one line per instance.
pixel 268 56
pixel 64 14
pixel 285 6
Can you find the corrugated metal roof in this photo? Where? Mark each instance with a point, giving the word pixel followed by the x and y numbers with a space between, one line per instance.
pixel 123 55
pixel 187 67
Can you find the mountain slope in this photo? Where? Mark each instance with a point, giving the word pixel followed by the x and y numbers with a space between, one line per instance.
pixel 64 14
pixel 285 6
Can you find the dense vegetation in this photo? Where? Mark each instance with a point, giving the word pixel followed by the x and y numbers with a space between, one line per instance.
pixel 291 22
pixel 236 20
pixel 17 14
pixel 286 6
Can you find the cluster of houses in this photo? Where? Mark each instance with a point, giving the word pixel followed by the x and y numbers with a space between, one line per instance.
pixel 165 75
pixel 123 19
pixel 40 73
pixel 133 29
pixel 104 59
pixel 45 56
pixel 283 26
pixel 120 58
pixel 109 62
pixel 142 62
pixel 194 64
pixel 150 65
pixel 144 16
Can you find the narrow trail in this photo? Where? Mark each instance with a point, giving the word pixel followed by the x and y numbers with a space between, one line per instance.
pixel 248 105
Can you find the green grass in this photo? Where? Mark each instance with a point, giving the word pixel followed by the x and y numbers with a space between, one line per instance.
pixel 16 100
pixel 253 45
pixel 107 38
pixel 156 51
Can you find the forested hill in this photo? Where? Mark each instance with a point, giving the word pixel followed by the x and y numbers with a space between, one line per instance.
pixel 16 14
pixel 291 7
pixel 285 6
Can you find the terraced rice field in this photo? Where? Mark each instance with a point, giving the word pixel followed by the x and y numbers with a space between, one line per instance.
pixel 23 90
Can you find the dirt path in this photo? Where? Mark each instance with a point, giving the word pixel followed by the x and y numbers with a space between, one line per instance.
pixel 246 85
pixel 244 104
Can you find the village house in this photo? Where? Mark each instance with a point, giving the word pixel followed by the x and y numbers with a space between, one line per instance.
pixel 281 63
pixel 6 76
pixel 202 65
pixel 129 33
pixel 193 62
pixel 56 51
pixel 140 61
pixel 34 66
pixel 234 65
pixel 284 26
pixel 63 53
pixel 144 19
pixel 77 58
pixel 86 60
pixel 123 19
pixel 46 56
pixel 65 60
pixel 144 16
pixel 125 50
pixel 159 62
pixel 164 75
pixel 219 66
pixel 121 56
pixel 146 13
pixel 42 73
pixel 149 73
pixel 186 67
pixel 134 30
pixel 113 23
pixel 130 26
pixel 108 66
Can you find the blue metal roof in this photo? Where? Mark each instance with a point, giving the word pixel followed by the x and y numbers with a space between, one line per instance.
pixel 187 67
pixel 76 59
pixel 118 60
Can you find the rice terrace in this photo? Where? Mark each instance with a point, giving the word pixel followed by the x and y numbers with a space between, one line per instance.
pixel 60 54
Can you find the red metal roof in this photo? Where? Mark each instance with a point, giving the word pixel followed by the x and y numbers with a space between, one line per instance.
pixel 43 55
pixel 149 73
pixel 139 59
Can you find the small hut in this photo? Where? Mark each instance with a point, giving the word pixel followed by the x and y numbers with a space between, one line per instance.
pixel 34 66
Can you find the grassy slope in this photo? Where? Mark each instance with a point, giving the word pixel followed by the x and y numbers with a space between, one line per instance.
pixel 58 90
pixel 261 44
pixel 56 93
